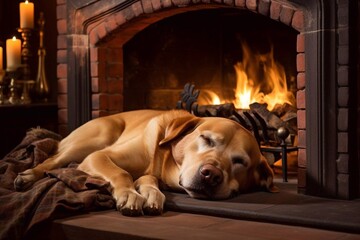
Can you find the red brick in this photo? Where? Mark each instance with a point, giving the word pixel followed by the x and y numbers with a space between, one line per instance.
pixel 59 2
pixel 301 177
pixel 343 142
pixel 103 113
pixel 61 26
pixel 302 157
pixel 115 102
pixel 300 62
pixel 251 4
pixel 93 38
pixel 302 138
pixel 115 85
pixel 342 163
pixel 301 80
pixel 95 114
pixel 100 32
pixel 300 43
pixel 180 3
pixel 97 69
pixel 147 6
pixel 114 70
pixel 62 116
pixel 95 85
pixel 275 8
pixel 343 55
pixel 62 101
pixel 94 54
pixel 264 7
pixel 61 42
pixel 343 96
pixel 94 69
pixel 103 86
pixel 229 2
pixel 63 130
pixel 343 75
pixel 120 18
pixel 61 70
pixel 343 186
pixel 343 119
pixel 300 99
pixel 114 55
pixel 166 3
pixel 240 3
pixel 61 12
pixel 100 101
pixel 301 119
pixel 62 56
pixel 62 85
pixel 110 24
pixel 298 21
pixel 156 4
pixel 286 14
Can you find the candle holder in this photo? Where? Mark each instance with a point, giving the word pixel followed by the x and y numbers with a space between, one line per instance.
pixel 41 84
pixel 13 88
pixel 2 93
pixel 26 53
pixel 25 94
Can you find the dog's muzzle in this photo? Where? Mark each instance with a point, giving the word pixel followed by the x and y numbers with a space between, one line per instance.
pixel 205 183
pixel 210 175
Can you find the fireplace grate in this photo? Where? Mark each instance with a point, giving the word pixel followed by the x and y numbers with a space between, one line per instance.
pixel 273 135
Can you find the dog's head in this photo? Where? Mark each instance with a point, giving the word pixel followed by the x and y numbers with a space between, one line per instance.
pixel 217 157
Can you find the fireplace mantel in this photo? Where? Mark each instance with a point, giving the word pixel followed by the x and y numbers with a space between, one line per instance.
pixel 331 165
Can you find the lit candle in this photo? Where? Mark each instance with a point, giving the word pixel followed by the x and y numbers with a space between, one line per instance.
pixel 26 15
pixel 13 53
pixel 1 58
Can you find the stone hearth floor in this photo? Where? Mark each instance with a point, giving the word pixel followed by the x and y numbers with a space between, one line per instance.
pixel 258 215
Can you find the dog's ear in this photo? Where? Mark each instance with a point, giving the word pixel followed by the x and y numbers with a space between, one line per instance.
pixel 178 127
pixel 264 176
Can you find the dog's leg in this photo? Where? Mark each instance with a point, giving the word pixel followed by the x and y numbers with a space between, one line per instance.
pixel 128 201
pixel 72 149
pixel 148 187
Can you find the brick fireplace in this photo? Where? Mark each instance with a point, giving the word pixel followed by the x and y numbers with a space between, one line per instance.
pixel 92 73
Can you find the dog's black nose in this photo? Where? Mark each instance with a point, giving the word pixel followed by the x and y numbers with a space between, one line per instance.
pixel 211 175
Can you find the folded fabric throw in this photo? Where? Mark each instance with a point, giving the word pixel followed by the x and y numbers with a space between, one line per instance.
pixel 62 193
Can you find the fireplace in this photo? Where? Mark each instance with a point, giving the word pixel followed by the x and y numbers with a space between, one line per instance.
pixel 108 53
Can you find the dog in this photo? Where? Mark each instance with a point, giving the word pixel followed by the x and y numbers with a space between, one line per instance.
pixel 140 152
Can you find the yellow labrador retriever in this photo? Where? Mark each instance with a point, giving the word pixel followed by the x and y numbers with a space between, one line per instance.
pixel 138 151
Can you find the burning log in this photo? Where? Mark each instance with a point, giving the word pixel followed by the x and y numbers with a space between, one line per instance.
pixel 263 123
pixel 272 119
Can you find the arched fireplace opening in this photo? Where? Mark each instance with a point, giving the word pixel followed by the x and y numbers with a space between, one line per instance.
pixel 203 48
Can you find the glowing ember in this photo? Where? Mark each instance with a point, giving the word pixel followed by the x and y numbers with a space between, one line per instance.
pixel 259 79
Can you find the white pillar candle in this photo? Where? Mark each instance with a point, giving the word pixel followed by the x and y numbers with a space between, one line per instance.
pixel 13 53
pixel 26 15
pixel 1 58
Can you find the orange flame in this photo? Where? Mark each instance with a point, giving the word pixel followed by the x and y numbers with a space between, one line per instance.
pixel 259 78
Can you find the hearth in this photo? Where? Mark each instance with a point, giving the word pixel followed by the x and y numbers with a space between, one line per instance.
pixel 117 56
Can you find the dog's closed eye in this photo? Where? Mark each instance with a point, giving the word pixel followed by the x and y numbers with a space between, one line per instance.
pixel 208 141
pixel 239 160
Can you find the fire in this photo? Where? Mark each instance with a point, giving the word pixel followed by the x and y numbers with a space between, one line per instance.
pixel 259 78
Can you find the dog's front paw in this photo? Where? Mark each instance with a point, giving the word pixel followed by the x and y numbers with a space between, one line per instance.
pixel 155 200
pixel 129 202
pixel 25 179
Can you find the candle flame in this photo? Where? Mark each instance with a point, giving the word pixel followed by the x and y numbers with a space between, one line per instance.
pixel 14 38
pixel 26 2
